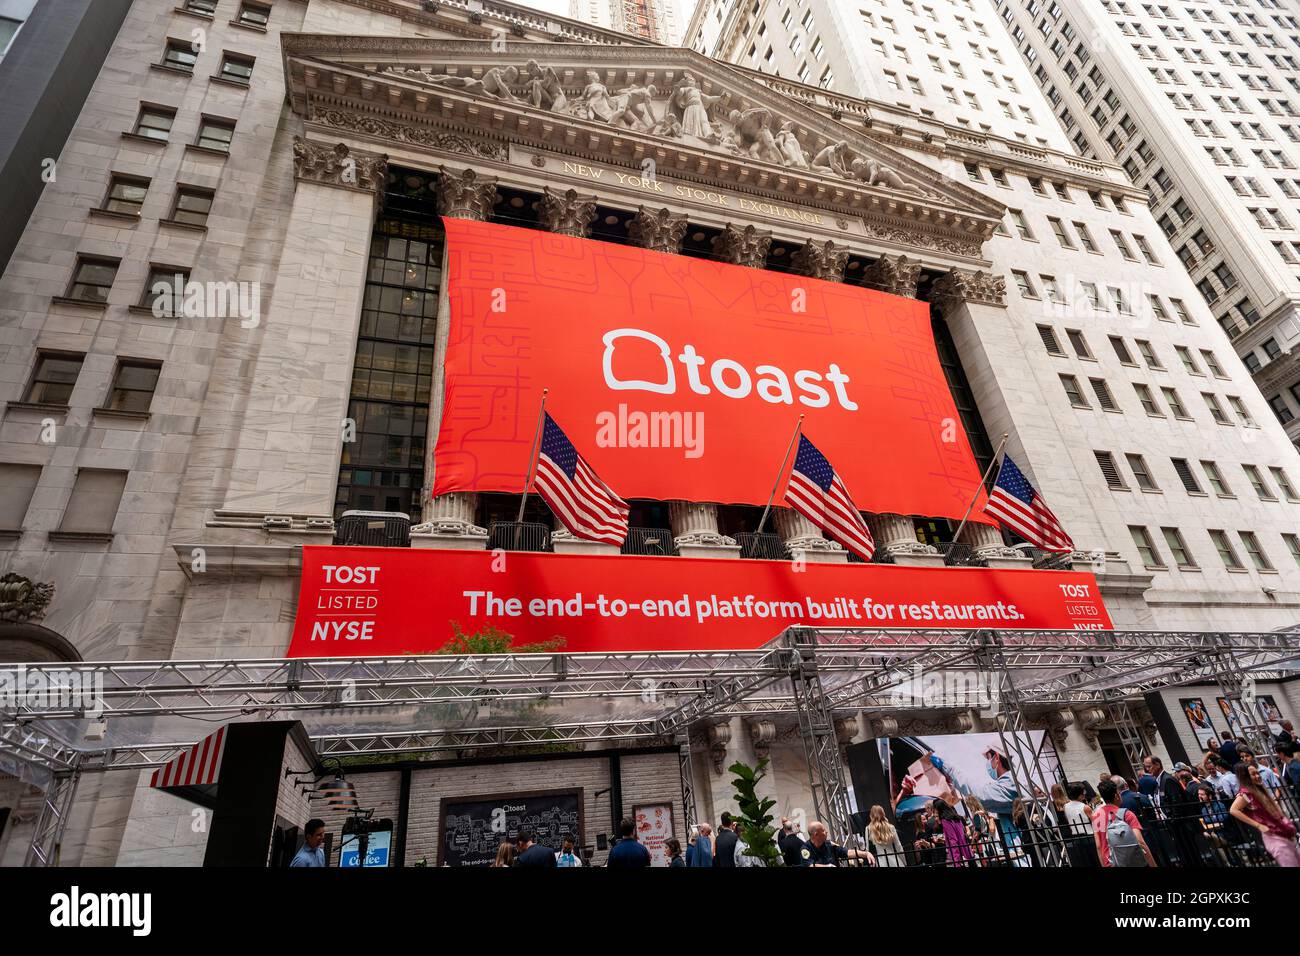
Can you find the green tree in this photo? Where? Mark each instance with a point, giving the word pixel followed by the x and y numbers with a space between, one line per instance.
pixel 756 830
pixel 489 639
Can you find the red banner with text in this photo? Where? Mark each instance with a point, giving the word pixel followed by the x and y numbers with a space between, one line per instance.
pixel 678 377
pixel 393 601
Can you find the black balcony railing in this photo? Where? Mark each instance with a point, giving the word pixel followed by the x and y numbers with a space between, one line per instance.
pixel 380 529
pixel 519 536
pixel 958 554
pixel 764 546
pixel 651 541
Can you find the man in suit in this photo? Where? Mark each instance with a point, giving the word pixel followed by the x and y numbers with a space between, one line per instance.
pixel 724 846
pixel 1181 813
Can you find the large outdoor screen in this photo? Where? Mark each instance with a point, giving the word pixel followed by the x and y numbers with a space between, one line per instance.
pixel 679 377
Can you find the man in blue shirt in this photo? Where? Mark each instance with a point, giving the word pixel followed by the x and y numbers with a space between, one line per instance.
pixel 628 854
pixel 312 851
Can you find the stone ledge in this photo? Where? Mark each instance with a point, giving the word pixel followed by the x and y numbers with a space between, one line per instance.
pixel 233 560
pixel 47 407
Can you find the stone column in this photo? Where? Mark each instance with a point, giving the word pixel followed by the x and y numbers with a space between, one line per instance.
pixel 986 541
pixel 659 230
pixel 449 518
pixel 817 260
pixel 285 451
pixel 951 292
pixel 896 275
pixel 566 213
pixel 896 536
pixel 570 214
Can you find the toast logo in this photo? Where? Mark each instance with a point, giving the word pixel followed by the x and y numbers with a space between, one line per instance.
pixel 655 362
pixel 74 910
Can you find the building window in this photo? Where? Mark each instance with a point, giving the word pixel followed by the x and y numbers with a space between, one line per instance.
pixel 1085 237
pixel 254 15
pixel 19 483
pixel 133 385
pixel 1175 403
pixel 180 55
pixel 1050 341
pixel 53 378
pixel 1073 392
pixel 1186 476
pixel 1257 482
pixel 1212 364
pixel 1293 545
pixel 215 134
pixel 236 68
pixel 383 470
pixel 1215 478
pixel 1178 548
pixel 1216 410
pixel 92 506
pixel 126 194
pixel 1062 236
pixel 1104 397
pixel 192 205
pixel 1137 464
pixel 205 7
pixel 1256 552
pixel 92 279
pixel 1225 549
pixel 1149 354
pixel 1243 413
pixel 1148 400
pixel 1282 481
pixel 1024 284
pixel 164 292
pixel 1022 225
pixel 155 122
pixel 1106 462
pixel 1145 546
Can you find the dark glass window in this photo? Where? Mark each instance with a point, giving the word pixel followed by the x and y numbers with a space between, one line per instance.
pixel 392 376
pixel 55 375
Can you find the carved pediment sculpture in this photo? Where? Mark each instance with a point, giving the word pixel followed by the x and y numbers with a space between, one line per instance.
pixel 685 113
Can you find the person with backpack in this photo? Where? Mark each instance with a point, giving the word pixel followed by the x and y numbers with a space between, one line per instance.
pixel 1117 832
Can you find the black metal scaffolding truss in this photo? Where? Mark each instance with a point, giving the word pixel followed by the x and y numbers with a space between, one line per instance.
pixel 150 711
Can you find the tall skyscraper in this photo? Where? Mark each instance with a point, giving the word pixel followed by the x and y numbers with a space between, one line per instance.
pixel 1200 104
pixel 658 20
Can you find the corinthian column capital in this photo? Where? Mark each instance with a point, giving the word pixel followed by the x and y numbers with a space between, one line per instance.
pixel 465 194
pixel 896 275
pixel 964 287
pixel 338 165
pixel 745 246
pixel 658 230
pixel 566 213
pixel 821 260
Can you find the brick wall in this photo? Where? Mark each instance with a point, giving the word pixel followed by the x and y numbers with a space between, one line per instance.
pixel 646 778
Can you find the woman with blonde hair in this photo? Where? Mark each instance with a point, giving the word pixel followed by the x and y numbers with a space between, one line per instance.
pixel 505 855
pixel 981 825
pixel 884 839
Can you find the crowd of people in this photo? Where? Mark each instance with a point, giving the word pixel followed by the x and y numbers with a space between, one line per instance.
pixel 1235 807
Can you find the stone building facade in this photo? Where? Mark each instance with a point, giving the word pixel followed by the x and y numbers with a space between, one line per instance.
pixel 167 463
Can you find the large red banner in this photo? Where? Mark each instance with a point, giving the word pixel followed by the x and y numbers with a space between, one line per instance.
pixel 684 378
pixel 393 601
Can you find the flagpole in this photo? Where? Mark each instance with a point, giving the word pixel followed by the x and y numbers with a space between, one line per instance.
pixel 997 456
pixel 772 497
pixel 532 463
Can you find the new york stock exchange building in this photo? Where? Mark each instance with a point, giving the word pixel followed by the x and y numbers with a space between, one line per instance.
pixel 381 230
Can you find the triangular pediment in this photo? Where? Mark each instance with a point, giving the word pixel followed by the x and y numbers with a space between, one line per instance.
pixel 685 112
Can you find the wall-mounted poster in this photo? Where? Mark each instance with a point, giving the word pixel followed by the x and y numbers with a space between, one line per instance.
pixel 472 828
pixel 1231 709
pixel 1269 713
pixel 1199 718
pixel 654 825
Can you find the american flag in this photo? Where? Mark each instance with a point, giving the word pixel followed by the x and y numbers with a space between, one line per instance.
pixel 1016 504
pixel 817 493
pixel 577 496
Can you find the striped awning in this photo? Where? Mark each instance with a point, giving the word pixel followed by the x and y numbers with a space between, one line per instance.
pixel 196 767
